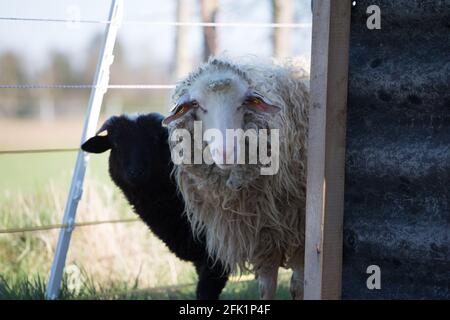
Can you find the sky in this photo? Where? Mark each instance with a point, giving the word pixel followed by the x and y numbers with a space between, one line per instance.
pixel 34 40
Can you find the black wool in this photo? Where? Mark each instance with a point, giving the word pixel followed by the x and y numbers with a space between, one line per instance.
pixel 140 165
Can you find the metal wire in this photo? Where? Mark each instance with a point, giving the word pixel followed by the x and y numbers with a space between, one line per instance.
pixel 53 20
pixel 140 87
pixel 64 226
pixel 88 86
pixel 168 23
pixel 37 151
pixel 221 24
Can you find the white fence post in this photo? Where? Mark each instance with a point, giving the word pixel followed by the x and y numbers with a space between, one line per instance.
pixel 100 84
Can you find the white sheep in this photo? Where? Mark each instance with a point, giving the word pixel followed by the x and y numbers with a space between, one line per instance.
pixel 252 221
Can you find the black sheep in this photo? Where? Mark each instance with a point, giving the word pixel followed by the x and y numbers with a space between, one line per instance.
pixel 140 164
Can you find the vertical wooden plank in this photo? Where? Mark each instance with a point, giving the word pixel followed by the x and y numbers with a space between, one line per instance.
pixel 326 149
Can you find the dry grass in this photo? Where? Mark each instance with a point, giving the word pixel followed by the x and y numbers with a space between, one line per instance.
pixel 102 259
pixel 107 253
pixel 33 192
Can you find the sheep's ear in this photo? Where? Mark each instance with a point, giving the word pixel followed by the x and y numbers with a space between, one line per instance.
pixel 106 124
pixel 96 144
pixel 260 103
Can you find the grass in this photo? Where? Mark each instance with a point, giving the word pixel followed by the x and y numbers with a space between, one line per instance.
pixel 29 173
pixel 34 289
pixel 107 253
pixel 116 261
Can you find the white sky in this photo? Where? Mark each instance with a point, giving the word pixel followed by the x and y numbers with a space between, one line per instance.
pixel 34 40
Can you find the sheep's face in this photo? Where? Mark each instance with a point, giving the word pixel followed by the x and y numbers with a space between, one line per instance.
pixel 136 151
pixel 139 150
pixel 220 101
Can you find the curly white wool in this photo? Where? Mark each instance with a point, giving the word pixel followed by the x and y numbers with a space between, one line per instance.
pixel 265 218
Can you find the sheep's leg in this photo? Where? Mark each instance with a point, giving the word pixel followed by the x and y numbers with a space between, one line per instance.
pixel 297 279
pixel 211 280
pixel 297 282
pixel 267 277
pixel 268 282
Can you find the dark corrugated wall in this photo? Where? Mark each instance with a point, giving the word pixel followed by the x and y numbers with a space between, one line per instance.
pixel 397 194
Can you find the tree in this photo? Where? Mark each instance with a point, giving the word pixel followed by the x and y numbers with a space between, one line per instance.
pixel 209 9
pixel 182 59
pixel 11 68
pixel 59 71
pixel 119 71
pixel 14 101
pixel 282 12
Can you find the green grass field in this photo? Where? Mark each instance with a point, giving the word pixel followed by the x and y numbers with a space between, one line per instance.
pixel 120 261
pixel 28 173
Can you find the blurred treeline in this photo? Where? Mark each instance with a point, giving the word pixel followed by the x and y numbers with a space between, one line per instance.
pixel 48 104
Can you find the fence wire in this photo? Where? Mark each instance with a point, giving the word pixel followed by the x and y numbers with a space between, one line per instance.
pixel 119 86
pixel 65 86
pixel 37 151
pixel 65 226
pixel 167 23
pixel 88 86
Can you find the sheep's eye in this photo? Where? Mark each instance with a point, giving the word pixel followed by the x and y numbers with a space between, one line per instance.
pixel 255 100
pixel 185 107
pixel 181 110
pixel 252 101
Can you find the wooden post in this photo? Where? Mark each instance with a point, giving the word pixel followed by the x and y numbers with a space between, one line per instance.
pixel 326 149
